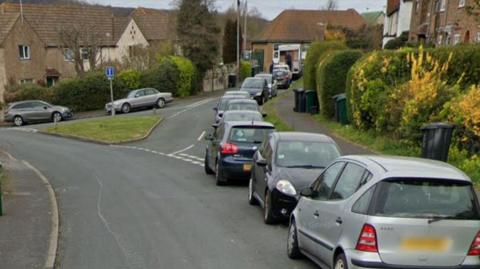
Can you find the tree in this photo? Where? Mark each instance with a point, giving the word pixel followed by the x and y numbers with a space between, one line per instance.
pixel 230 42
pixel 331 5
pixel 198 33
pixel 474 10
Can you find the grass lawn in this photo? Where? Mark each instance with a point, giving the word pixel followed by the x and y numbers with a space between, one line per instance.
pixel 109 130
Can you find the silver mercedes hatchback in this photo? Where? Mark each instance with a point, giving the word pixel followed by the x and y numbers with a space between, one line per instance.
pixel 388 212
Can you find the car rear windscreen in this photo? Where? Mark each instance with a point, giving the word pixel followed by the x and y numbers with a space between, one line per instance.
pixel 426 198
pixel 243 106
pixel 254 134
pixel 243 117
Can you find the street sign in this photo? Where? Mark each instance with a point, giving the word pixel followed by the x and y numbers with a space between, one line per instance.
pixel 110 72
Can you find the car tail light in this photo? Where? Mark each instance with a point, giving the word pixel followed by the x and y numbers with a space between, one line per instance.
pixel 368 239
pixel 228 149
pixel 475 248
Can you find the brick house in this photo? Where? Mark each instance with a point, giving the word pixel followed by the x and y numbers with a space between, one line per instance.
pixel 32 50
pixel 443 22
pixel 291 32
pixel 397 19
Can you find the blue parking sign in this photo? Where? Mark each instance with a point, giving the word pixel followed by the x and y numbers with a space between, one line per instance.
pixel 110 72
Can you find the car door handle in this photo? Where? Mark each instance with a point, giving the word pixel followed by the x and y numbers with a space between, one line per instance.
pixel 316 214
pixel 339 221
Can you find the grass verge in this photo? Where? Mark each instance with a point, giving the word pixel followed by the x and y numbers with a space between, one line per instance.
pixel 108 130
pixel 272 115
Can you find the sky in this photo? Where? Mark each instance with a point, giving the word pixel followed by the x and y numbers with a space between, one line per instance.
pixel 269 8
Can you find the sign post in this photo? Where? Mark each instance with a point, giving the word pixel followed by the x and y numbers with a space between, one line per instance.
pixel 110 73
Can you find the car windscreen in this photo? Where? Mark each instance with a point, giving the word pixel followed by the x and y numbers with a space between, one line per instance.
pixel 426 198
pixel 249 134
pixel 242 117
pixel 242 106
pixel 253 83
pixel 305 154
pixel 279 73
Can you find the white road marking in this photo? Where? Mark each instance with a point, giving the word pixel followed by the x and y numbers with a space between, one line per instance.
pixel 182 150
pixel 53 241
pixel 192 157
pixel 201 136
pixel 23 129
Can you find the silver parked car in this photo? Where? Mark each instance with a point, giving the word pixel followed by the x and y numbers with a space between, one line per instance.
pixel 388 212
pixel 32 111
pixel 141 98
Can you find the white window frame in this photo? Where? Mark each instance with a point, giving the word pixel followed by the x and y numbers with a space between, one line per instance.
pixel 461 3
pixel 443 5
pixel 457 39
pixel 24 52
pixel 440 40
pixel 26 81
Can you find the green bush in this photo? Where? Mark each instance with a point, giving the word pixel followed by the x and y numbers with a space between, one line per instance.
pixel 28 92
pixel 245 70
pixel 90 92
pixel 130 78
pixel 186 85
pixel 315 54
pixel 331 77
pixel 397 42
pixel 163 77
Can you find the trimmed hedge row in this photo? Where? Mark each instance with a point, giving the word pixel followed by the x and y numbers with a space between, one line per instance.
pixel 331 77
pixel 315 53
pixel 90 92
pixel 245 69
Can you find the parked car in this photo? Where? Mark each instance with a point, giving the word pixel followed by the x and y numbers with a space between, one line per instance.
pixel 388 212
pixel 241 115
pixel 223 103
pixel 272 84
pixel 243 105
pixel 237 93
pixel 284 67
pixel 257 88
pixel 287 163
pixel 24 112
pixel 141 98
pixel 282 78
pixel 231 147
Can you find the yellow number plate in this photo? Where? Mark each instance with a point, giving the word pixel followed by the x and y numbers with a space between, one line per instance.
pixel 425 244
pixel 247 167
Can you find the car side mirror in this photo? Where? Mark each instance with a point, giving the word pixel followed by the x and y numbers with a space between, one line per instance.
pixel 262 162
pixel 45 107
pixel 209 137
pixel 264 115
pixel 215 125
pixel 215 109
pixel 307 192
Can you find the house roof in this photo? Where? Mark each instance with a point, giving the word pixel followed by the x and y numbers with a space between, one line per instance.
pixel 119 26
pixel 48 20
pixel 7 21
pixel 154 23
pixel 308 25
pixel 392 6
pixel 373 16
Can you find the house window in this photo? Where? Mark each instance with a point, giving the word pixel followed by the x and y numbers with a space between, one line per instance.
pixel 439 40
pixel 456 39
pixel 461 3
pixel 68 55
pixel 26 81
pixel 85 54
pixel 441 5
pixel 478 37
pixel 24 52
pixel 51 81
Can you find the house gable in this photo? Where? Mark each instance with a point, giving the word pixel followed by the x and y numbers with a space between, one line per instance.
pixel 131 37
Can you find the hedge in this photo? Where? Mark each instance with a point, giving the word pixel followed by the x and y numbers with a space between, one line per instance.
pixel 314 54
pixel 331 77
pixel 90 92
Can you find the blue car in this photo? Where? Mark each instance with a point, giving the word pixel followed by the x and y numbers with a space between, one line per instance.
pixel 230 150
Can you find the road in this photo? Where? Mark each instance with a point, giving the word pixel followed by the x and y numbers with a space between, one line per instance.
pixel 149 204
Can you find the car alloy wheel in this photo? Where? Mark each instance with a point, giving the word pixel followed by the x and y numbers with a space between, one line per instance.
pixel 18 121
pixel 292 242
pixel 125 108
pixel 161 103
pixel 341 262
pixel 251 198
pixel 57 117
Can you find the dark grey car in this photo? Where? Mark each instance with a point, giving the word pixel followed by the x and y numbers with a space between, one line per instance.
pixel 258 89
pixel 32 111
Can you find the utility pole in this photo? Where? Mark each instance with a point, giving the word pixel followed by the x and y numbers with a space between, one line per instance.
pixel 245 10
pixel 238 42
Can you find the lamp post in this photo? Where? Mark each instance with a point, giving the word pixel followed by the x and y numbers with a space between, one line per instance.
pixel 238 42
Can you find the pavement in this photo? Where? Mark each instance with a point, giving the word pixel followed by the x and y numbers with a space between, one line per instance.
pixel 149 204
pixel 304 122
pixel 25 227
